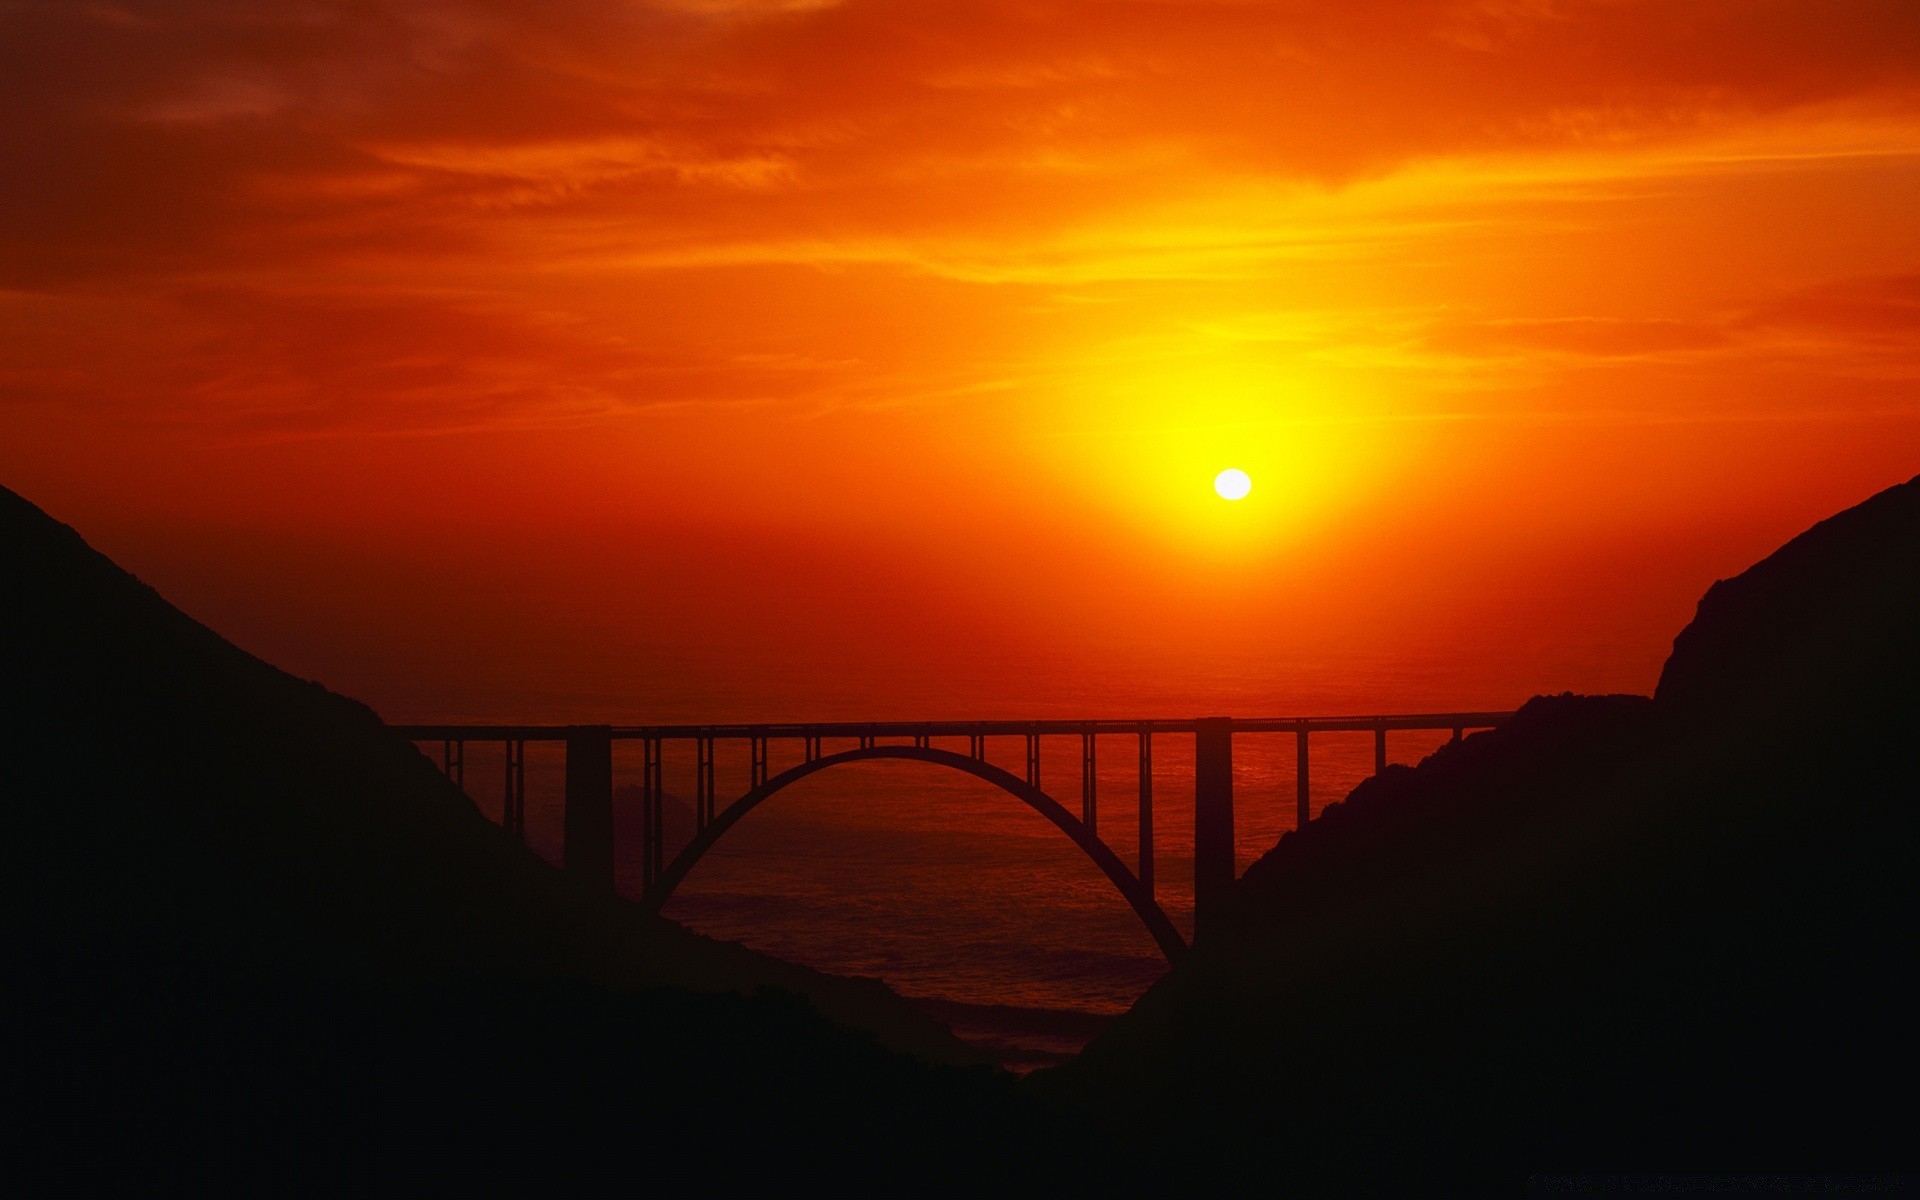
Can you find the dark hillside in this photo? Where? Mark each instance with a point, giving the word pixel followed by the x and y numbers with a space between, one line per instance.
pixel 1613 934
pixel 1824 630
pixel 241 906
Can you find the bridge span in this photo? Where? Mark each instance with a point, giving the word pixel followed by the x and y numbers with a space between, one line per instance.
pixel 589 842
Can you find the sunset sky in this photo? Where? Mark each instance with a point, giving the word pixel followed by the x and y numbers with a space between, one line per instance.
pixel 735 359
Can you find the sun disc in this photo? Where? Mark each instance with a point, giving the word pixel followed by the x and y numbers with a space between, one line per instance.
pixel 1232 484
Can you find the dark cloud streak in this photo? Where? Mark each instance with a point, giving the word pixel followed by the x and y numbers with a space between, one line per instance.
pixel 338 204
pixel 138 134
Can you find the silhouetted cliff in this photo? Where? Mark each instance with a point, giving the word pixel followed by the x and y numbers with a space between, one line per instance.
pixel 1614 933
pixel 1826 625
pixel 247 914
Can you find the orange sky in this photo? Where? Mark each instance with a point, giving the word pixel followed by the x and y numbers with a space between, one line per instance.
pixel 735 358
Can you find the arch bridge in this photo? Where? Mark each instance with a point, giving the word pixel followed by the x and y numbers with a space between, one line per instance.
pixel 589 842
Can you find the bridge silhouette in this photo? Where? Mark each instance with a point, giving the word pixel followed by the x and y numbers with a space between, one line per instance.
pixel 588 844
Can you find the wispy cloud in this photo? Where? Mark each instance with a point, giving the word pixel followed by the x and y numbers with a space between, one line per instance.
pixel 393 214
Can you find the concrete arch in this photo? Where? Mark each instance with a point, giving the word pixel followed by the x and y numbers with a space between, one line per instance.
pixel 1150 913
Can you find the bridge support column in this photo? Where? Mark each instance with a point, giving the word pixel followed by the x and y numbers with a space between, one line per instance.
pixel 513 814
pixel 656 849
pixel 588 850
pixel 1213 866
pixel 1089 785
pixel 702 782
pixel 1146 810
pixel 453 757
pixel 1302 785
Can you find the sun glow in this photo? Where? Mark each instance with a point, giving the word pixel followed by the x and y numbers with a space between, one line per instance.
pixel 1140 426
pixel 1232 484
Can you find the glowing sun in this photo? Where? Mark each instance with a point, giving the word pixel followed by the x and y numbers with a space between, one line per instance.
pixel 1232 484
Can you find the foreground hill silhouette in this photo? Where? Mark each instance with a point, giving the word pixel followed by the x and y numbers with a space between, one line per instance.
pixel 249 915
pixel 1615 933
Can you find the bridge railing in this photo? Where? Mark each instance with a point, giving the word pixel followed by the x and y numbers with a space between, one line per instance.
pixel 1459 721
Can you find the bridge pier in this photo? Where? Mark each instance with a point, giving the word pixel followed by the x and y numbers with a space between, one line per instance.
pixel 588 849
pixel 1213 866
pixel 1302 785
pixel 652 825
pixel 513 806
pixel 703 797
pixel 1089 785
pixel 1145 873
pixel 453 759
